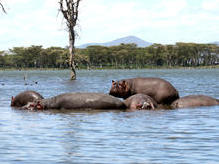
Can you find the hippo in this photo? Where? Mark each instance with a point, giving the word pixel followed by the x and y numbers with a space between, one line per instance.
pixel 24 97
pixel 194 101
pixel 140 101
pixel 158 89
pixel 77 101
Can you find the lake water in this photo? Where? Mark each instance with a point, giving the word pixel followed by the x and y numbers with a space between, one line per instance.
pixel 162 136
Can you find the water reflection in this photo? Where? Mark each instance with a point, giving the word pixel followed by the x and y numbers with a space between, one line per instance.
pixel 163 136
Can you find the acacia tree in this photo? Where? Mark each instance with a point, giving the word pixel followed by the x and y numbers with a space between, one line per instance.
pixel 69 9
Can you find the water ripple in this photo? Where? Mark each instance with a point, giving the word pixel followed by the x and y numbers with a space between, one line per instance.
pixel 163 136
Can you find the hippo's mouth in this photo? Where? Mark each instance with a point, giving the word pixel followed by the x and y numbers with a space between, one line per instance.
pixel 29 106
pixel 33 106
pixel 145 106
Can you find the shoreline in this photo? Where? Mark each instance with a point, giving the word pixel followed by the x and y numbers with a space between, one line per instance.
pixel 109 68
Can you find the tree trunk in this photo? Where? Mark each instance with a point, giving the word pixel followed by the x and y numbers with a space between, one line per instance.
pixel 72 53
pixel 69 9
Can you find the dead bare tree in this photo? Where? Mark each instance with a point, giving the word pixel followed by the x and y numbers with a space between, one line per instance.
pixel 69 9
pixel 3 9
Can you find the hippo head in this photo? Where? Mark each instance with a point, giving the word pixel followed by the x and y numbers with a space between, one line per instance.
pixel 120 89
pixel 33 106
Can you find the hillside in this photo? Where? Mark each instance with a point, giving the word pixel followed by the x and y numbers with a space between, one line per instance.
pixel 126 40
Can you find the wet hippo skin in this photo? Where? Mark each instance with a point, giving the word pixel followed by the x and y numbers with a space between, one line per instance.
pixel 78 101
pixel 159 89
pixel 140 101
pixel 194 101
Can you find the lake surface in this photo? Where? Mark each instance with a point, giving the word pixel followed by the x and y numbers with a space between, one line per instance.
pixel 162 136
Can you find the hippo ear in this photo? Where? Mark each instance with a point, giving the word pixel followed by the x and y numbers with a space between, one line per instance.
pixel 124 83
pixel 113 82
pixel 12 101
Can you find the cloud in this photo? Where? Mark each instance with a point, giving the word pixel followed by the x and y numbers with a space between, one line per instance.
pixel 163 21
pixel 113 18
pixel 15 2
pixel 127 17
pixel 210 5
pixel 36 24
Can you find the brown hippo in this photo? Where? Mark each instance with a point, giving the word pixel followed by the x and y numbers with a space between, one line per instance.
pixel 77 101
pixel 160 90
pixel 24 97
pixel 140 101
pixel 194 101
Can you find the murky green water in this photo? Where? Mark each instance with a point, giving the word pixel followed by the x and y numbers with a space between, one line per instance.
pixel 163 136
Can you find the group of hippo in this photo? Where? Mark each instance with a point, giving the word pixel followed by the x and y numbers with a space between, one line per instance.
pixel 138 94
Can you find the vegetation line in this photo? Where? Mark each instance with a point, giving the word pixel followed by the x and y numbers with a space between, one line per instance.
pixel 124 56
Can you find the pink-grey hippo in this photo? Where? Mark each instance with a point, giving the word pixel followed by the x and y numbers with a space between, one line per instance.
pixel 139 102
pixel 194 101
pixel 159 89
pixel 77 101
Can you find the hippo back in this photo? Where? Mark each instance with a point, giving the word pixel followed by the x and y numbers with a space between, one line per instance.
pixel 83 100
pixel 194 101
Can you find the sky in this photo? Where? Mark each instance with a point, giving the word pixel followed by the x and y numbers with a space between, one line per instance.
pixel 38 22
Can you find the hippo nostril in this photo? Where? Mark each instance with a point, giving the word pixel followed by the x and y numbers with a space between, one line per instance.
pixel 139 106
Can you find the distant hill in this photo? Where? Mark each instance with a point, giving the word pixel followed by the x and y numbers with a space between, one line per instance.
pixel 217 43
pixel 126 40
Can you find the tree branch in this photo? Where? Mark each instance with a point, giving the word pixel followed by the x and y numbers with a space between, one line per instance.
pixel 76 12
pixel 3 9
